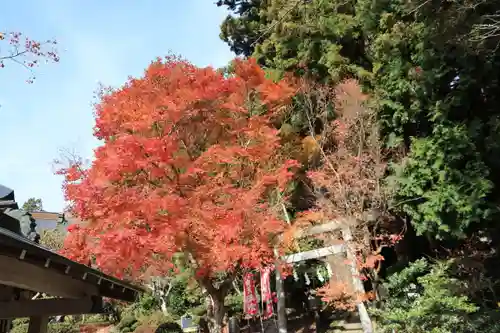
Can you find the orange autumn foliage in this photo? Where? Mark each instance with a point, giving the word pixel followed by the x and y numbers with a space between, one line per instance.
pixel 340 297
pixel 346 177
pixel 187 165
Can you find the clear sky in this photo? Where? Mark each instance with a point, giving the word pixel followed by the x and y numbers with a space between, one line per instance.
pixel 99 41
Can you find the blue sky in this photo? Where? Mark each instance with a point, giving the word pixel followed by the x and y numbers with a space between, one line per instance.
pixel 99 41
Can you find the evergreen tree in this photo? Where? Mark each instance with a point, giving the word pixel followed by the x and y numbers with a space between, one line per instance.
pixel 33 205
pixel 432 78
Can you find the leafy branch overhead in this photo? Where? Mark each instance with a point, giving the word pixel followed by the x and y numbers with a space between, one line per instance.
pixel 26 52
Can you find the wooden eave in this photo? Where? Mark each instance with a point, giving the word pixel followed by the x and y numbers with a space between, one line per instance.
pixel 27 265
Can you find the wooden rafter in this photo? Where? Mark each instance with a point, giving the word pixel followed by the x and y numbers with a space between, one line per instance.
pixel 31 263
pixel 23 275
pixel 50 307
pixel 28 268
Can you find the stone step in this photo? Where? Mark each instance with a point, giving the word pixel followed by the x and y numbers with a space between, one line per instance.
pixel 343 326
pixel 353 326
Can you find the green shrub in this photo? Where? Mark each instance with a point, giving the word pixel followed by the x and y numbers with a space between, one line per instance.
pixel 22 327
pixel 134 326
pixel 63 328
pixel 169 328
pixel 154 319
pixel 19 328
pixel 20 321
pixel 146 304
pixel 177 300
pixel 149 323
pixel 95 318
pixel 234 304
pixel 426 298
pixel 199 310
pixel 127 321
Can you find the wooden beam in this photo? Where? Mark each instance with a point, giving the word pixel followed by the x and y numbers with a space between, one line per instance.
pixel 321 228
pixel 314 254
pixel 317 229
pixel 7 203
pixel 38 325
pixel 6 294
pixel 23 275
pixel 280 291
pixel 334 225
pixel 50 307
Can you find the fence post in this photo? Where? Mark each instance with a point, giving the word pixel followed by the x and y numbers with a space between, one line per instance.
pixel 280 291
pixel 364 317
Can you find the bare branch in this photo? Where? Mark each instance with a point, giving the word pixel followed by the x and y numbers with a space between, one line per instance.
pixel 26 52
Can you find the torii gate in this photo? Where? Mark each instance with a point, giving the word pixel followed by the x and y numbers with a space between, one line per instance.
pixel 321 253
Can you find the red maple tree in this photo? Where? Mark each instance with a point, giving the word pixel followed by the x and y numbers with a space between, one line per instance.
pixel 190 164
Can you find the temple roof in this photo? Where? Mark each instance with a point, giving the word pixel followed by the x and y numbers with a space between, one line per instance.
pixel 29 266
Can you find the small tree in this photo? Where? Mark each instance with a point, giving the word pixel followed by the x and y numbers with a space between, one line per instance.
pixel 346 171
pixel 52 239
pixel 190 164
pixel 426 298
pixel 33 205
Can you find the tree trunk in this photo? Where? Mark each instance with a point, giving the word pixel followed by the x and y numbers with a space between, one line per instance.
pixel 216 312
pixel 163 305
pixel 161 292
pixel 216 309
pixel 216 322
